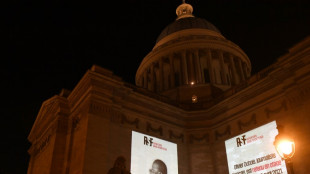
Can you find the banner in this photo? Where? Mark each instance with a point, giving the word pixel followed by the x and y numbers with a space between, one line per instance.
pixel 254 152
pixel 151 155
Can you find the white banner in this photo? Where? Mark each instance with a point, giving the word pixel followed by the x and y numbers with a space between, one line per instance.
pixel 151 155
pixel 254 152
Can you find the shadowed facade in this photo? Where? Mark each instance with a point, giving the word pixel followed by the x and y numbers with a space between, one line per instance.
pixel 85 130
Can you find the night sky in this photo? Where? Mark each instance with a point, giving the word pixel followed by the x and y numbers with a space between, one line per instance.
pixel 50 44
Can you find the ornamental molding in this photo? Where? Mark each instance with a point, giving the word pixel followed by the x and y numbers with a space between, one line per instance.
pixel 280 75
pixel 296 63
pixel 179 137
pixel 126 121
pixel 150 128
pixel 41 143
pixel 96 108
pixel 242 124
pixel 270 112
pixel 296 98
pixel 226 132
pixel 45 117
pixel 254 92
pixel 36 149
pixel 205 138
pixel 48 108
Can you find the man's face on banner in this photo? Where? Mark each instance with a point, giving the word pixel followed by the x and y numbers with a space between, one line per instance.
pixel 151 155
pixel 155 169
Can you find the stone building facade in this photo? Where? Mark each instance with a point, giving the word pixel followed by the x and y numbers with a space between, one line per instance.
pixel 194 89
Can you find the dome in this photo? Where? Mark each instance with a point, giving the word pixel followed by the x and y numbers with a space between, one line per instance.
pixel 192 62
pixel 186 23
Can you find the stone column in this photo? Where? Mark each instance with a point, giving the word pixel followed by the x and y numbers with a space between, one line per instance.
pixel 191 67
pixel 241 69
pixel 140 81
pixel 171 70
pixel 223 70
pixel 145 79
pixel 244 70
pixel 197 67
pixel 153 87
pixel 233 69
pixel 209 62
pixel 161 75
pixel 184 68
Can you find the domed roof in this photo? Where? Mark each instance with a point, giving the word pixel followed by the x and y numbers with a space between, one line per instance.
pixel 186 23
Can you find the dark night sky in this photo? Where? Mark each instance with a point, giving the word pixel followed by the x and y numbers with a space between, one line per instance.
pixel 50 44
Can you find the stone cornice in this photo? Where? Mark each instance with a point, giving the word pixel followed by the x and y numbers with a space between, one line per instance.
pixel 96 80
pixel 41 141
pixel 105 92
pixel 135 120
pixel 301 46
pixel 50 110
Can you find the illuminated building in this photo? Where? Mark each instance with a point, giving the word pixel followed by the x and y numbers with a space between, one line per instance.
pixel 194 89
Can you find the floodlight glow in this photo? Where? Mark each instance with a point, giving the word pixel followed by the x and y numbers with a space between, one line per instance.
pixel 285 147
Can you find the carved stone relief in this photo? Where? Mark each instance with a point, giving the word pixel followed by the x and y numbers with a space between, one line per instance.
pixel 202 139
pixel 297 97
pixel 178 137
pixel 241 124
pixel 227 132
pixel 135 122
pixel 99 108
pixel 269 111
pixel 149 128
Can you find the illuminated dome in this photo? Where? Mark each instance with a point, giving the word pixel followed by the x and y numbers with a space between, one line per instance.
pixel 186 23
pixel 192 58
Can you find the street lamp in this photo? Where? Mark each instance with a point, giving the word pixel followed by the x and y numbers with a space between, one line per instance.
pixel 285 147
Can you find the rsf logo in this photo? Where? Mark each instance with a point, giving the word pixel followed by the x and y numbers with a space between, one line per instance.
pixel 241 141
pixel 148 141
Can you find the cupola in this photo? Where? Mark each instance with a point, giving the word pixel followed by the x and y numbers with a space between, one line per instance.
pixel 192 58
